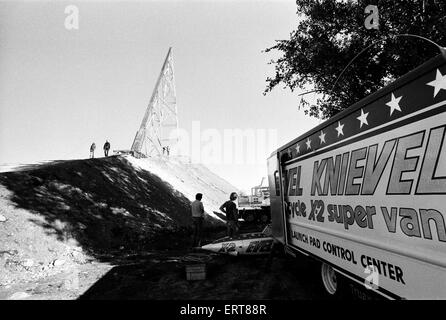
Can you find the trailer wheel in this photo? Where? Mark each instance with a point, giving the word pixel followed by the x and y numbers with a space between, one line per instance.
pixel 329 279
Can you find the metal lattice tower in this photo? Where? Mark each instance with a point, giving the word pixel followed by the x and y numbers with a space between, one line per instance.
pixel 160 123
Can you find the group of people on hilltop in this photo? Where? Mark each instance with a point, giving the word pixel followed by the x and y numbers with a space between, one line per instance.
pixel 106 148
pixel 229 208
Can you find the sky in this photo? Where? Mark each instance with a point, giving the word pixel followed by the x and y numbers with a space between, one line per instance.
pixel 62 89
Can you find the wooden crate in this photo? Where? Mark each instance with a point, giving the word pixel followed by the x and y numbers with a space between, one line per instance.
pixel 196 272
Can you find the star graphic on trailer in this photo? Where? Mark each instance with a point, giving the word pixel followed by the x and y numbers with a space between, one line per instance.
pixel 340 128
pixel 297 148
pixel 363 118
pixel 394 104
pixel 308 143
pixel 439 83
pixel 322 137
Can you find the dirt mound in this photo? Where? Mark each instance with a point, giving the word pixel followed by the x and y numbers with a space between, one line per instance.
pixel 190 178
pixel 60 213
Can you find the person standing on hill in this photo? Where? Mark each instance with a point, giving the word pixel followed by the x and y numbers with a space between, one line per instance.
pixel 92 148
pixel 230 209
pixel 197 211
pixel 106 147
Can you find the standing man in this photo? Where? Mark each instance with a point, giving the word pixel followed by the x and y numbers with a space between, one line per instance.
pixel 197 210
pixel 92 148
pixel 106 147
pixel 230 209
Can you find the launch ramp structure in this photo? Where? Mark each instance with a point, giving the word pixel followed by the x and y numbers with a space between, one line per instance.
pixel 158 131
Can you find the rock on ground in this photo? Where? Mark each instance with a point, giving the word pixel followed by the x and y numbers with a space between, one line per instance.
pixel 19 296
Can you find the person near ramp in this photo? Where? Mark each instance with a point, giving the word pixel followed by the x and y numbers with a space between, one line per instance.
pixel 230 209
pixel 197 210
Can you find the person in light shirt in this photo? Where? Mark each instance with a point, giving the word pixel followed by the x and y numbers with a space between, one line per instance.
pixel 197 211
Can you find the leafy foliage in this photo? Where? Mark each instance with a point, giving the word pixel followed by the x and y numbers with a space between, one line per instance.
pixel 330 33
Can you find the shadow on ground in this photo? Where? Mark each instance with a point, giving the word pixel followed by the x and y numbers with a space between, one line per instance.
pixel 163 277
pixel 227 278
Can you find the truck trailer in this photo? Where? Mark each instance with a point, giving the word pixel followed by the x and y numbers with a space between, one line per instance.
pixel 255 207
pixel 363 194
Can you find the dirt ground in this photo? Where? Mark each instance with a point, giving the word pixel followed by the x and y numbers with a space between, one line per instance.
pixel 65 216
pixel 161 275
